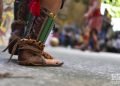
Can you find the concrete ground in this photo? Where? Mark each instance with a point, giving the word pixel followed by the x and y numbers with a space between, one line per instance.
pixel 79 69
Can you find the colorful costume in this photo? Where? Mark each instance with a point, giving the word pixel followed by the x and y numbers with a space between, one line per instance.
pixel 94 15
pixel 32 24
pixel 94 24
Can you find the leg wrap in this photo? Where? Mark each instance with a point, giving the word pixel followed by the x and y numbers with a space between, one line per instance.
pixel 19 23
pixel 16 35
pixel 36 26
pixel 26 55
pixel 22 10
pixel 42 25
pixel 16 8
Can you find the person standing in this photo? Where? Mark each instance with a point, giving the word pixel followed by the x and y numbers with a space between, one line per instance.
pixel 94 20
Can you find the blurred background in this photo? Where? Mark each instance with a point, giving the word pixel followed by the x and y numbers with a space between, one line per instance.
pixel 82 24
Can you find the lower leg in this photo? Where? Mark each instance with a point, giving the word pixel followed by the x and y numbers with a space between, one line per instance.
pixel 18 26
pixel 31 50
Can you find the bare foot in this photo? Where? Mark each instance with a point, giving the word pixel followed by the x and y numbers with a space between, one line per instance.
pixel 53 62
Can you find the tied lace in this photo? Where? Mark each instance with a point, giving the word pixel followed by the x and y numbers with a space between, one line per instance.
pixel 16 38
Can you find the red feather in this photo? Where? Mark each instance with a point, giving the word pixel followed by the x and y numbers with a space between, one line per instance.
pixel 35 7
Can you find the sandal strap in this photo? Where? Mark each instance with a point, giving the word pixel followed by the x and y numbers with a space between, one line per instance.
pixel 47 55
pixel 28 47
pixel 31 42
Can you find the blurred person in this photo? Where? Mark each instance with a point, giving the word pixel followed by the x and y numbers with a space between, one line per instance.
pixel 53 38
pixel 56 32
pixel 93 17
pixel 30 28
pixel 1 10
pixel 106 26
pixel 1 32
pixel 106 21
pixel 93 43
pixel 86 37
pixel 5 25
pixel 116 43
pixel 113 43
pixel 67 36
pixel 78 43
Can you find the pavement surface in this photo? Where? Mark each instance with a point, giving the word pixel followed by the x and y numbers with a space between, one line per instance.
pixel 79 69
